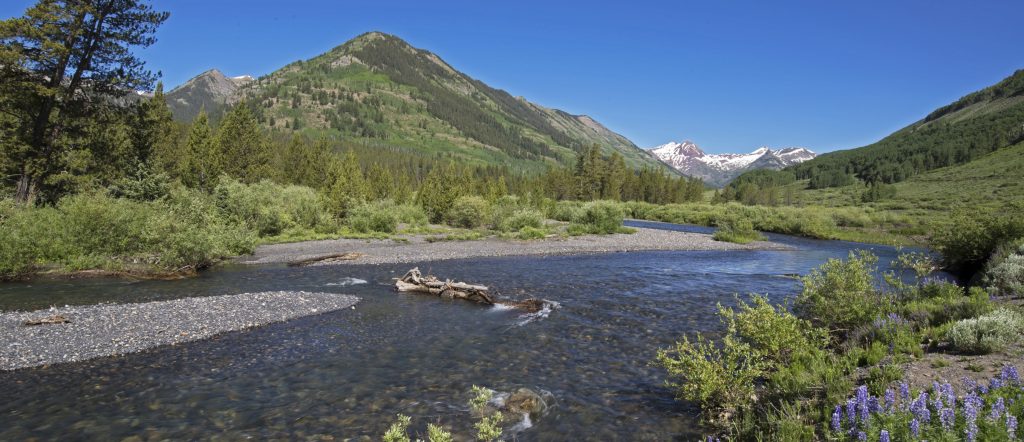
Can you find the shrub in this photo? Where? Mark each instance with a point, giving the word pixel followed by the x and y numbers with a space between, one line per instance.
pixel 988 333
pixel 1007 277
pixel 520 218
pixel 841 294
pixel 97 231
pixel 468 212
pixel 528 232
pixel 972 236
pixel 719 379
pixel 373 217
pixel 410 214
pixel 566 211
pixel 737 230
pixel 270 208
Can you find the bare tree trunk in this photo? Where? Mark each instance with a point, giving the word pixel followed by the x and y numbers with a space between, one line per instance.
pixel 25 193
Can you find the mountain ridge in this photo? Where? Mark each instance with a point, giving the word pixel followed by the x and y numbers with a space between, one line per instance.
pixel 377 86
pixel 718 169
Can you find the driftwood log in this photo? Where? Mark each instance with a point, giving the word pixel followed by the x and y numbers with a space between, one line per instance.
pixel 52 319
pixel 326 259
pixel 413 281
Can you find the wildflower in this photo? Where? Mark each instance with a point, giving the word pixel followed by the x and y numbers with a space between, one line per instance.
pixel 890 400
pixel 873 406
pixel 862 436
pixel 920 408
pixel 915 428
pixel 851 411
pixel 972 403
pixel 1011 425
pixel 1009 375
pixel 997 410
pixel 862 403
pixel 905 394
pixel 837 419
pixel 883 436
pixel 995 383
pixel 947 416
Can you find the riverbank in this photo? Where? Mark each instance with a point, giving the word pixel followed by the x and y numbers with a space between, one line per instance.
pixel 419 248
pixel 117 329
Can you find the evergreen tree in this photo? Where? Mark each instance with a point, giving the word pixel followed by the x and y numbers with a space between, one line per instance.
pixel 244 151
pixel 60 64
pixel 200 165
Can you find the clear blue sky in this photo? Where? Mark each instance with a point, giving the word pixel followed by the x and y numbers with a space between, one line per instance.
pixel 730 75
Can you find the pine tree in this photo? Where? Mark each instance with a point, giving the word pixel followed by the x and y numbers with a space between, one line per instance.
pixel 61 65
pixel 244 151
pixel 200 165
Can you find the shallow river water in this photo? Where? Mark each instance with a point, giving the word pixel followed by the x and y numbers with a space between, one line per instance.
pixel 346 374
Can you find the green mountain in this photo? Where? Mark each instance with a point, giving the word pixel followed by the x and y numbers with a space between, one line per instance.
pixel 975 125
pixel 379 89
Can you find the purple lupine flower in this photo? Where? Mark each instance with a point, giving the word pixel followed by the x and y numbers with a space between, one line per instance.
pixel 862 436
pixel 920 408
pixel 1009 375
pixel 890 400
pixel 1011 425
pixel 915 428
pixel 972 403
pixel 905 395
pixel 982 388
pixel 883 436
pixel 995 383
pixel 873 405
pixel 947 389
pixel 837 419
pixel 947 416
pixel 862 403
pixel 851 411
pixel 997 410
pixel 970 384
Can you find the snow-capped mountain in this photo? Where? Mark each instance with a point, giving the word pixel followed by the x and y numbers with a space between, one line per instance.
pixel 718 169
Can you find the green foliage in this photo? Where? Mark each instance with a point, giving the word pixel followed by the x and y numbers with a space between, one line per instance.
pixel 374 217
pixel 528 233
pixel 64 68
pixel 270 209
pixel 517 219
pixel 599 217
pixel 971 236
pixel 398 431
pixel 737 230
pixel 244 150
pixel 1007 277
pixel 489 427
pixel 720 380
pixel 95 230
pixel 841 294
pixel 988 333
pixel 468 212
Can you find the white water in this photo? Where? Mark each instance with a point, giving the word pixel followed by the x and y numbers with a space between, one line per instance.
pixel 347 282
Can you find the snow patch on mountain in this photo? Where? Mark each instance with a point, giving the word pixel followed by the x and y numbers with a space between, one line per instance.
pixel 719 169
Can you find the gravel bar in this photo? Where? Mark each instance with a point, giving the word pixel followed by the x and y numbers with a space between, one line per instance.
pixel 115 329
pixel 417 249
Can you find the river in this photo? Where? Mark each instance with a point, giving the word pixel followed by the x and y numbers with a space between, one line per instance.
pixel 347 373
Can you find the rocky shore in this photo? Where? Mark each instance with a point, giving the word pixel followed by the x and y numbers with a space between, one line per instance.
pixel 418 249
pixel 77 333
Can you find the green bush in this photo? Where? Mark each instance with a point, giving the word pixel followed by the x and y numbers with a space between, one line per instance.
pixel 988 333
pixel 410 214
pixel 520 218
pixel 972 235
pixel 531 233
pixel 737 230
pixel 1006 278
pixel 468 212
pixel 270 208
pixel 373 217
pixel 841 294
pixel 566 211
pixel 96 231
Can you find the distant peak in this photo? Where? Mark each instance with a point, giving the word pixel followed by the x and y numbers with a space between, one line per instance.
pixel 761 151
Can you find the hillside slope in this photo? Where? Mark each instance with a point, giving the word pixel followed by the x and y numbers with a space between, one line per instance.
pixel 209 90
pixel 380 89
pixel 975 125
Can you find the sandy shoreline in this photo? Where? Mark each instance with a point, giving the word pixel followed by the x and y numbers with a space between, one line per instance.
pixel 417 249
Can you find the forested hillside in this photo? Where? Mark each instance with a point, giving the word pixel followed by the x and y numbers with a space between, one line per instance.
pixel 379 89
pixel 967 129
